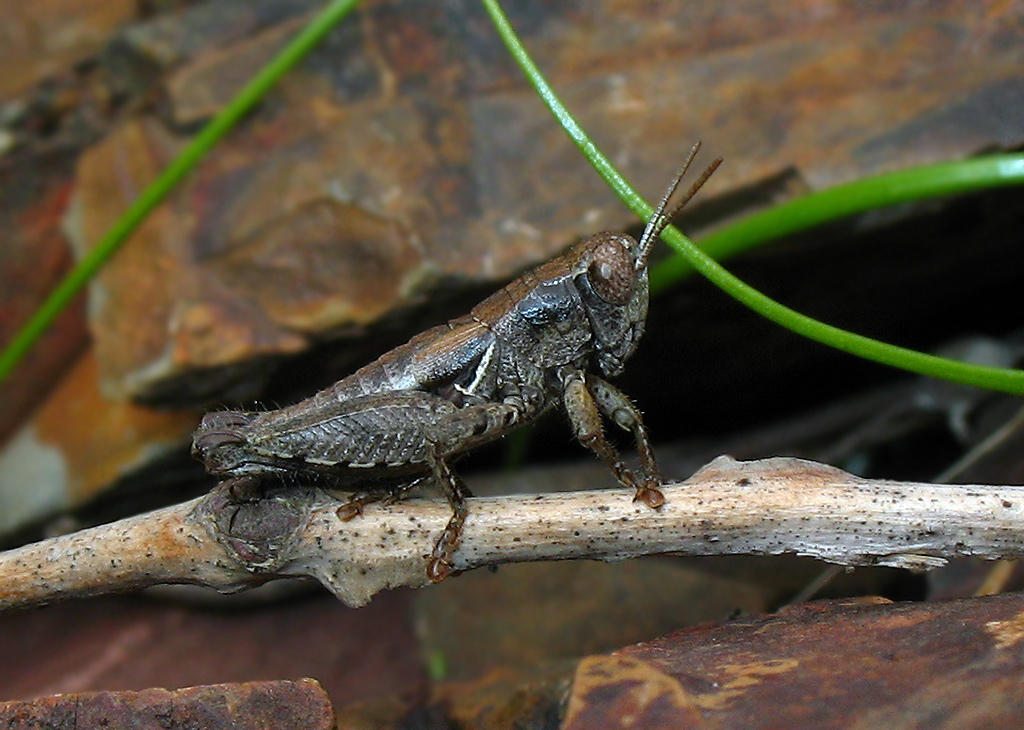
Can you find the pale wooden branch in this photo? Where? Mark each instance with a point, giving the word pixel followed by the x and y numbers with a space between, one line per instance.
pixel 765 507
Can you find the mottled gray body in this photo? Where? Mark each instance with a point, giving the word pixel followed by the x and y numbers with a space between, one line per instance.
pixel 448 389
pixel 533 344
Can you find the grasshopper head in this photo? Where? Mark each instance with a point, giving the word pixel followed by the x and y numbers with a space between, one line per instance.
pixel 614 294
pixel 613 278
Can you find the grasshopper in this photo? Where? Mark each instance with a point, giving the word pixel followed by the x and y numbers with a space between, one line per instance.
pixel 403 417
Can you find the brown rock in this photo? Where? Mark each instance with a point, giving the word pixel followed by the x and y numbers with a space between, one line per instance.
pixel 199 90
pixel 837 664
pixel 77 444
pixel 133 298
pixel 536 613
pixel 434 146
pixel 184 636
pixel 171 39
pixel 282 704
pixel 34 257
pixel 44 38
pixel 219 274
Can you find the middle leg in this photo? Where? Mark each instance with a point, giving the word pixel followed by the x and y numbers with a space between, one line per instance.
pixel 387 495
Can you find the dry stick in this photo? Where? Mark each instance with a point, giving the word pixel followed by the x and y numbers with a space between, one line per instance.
pixel 765 507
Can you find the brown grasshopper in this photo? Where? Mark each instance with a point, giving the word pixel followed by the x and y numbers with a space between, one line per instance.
pixel 515 355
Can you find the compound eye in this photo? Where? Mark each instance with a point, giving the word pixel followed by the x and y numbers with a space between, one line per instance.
pixel 611 272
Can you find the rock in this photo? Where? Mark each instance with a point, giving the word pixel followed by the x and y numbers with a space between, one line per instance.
pixel 44 38
pixel 76 445
pixel 416 139
pixel 285 705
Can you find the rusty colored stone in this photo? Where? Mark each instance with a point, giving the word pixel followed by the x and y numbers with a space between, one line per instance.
pixel 231 40
pixel 33 258
pixel 133 298
pixel 835 664
pixel 77 444
pixel 326 263
pixel 170 40
pixel 419 133
pixel 226 272
pixel 528 697
pixel 201 89
pixel 45 38
pixel 803 96
pixel 301 704
pixel 188 636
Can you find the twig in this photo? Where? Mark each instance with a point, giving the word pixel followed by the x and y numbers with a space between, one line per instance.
pixel 766 507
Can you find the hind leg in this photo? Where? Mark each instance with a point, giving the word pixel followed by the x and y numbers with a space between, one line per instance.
pixel 468 425
pixel 455 490
pixel 387 495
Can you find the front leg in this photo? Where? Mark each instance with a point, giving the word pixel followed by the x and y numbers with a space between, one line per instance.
pixel 586 397
pixel 619 409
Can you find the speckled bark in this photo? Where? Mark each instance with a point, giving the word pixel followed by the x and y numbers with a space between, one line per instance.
pixel 230 541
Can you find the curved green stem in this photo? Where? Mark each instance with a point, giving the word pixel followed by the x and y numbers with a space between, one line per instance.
pixel 159 189
pixel 1011 381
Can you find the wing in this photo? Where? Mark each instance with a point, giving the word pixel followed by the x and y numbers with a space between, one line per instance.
pixel 377 430
pixel 433 361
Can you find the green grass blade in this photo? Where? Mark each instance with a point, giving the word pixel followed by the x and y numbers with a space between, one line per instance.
pixel 159 189
pixel 1011 381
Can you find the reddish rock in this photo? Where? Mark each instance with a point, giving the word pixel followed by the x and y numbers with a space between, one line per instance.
pixel 836 664
pixel 416 149
pixel 77 444
pixel 34 257
pixel 301 705
pixel 46 37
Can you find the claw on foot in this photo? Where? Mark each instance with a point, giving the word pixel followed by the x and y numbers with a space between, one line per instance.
pixel 438 570
pixel 349 511
pixel 243 489
pixel 651 496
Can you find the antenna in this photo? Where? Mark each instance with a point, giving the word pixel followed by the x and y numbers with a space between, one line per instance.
pixel 659 221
